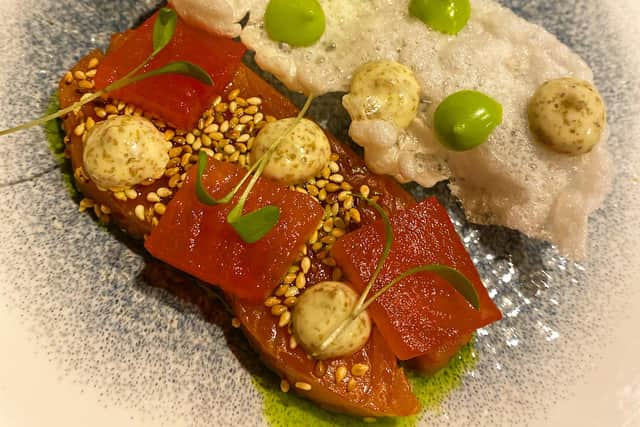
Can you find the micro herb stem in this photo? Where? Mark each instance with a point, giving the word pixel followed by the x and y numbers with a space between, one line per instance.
pixel 388 232
pixel 236 212
pixel 166 25
pixel 451 275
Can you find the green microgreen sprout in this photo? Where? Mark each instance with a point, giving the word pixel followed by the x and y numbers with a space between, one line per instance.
pixel 455 278
pixel 252 226
pixel 163 32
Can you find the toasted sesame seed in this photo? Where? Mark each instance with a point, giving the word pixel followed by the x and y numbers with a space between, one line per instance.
pixel 348 203
pixel 233 106
pixel 289 278
pixel 341 373
pixel 317 246
pixel 79 130
pixel 111 109
pixel 174 181
pixel 244 137
pixel 217 101
pixel 91 74
pixel 305 264
pixel 322 195
pixel 321 183
pixel 359 369
pixel 246 119
pixel 93 63
pixel 280 291
pixel 254 100
pixel 258 118
pixel 171 172
pixel 119 195
pixel 169 134
pixel 303 386
pixel 290 301
pixel 312 189
pixel 139 211
pixel 271 302
pixel 153 197
pixel 293 343
pixel 186 158
pixel 100 112
pixel 86 84
pixel 355 215
pixel 211 129
pixel 235 322
pixel 332 187
pixel 79 75
pixel 251 110
pixel 337 233
pixel 233 94
pixel 338 178
pixel 285 318
pixel 160 208
pixel 351 385
pixel 89 123
pixel 233 158
pixel 68 77
pixel 131 193
pixel 301 281
pixel 221 108
pixel 164 192
pixel 86 204
pixel 284 386
pixel 364 190
pixel 278 309
pixel 291 292
pixel 346 186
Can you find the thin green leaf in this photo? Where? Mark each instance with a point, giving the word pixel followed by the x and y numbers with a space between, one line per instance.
pixel 179 67
pixel 255 225
pixel 164 29
pixel 456 279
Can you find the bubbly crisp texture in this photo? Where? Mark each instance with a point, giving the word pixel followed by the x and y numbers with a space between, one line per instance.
pixel 513 179
pixel 125 151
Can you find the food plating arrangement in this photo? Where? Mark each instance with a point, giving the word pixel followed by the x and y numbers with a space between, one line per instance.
pixel 340 280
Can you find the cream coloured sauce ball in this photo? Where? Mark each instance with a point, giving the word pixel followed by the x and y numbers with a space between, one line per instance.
pixel 384 90
pixel 568 115
pixel 319 310
pixel 301 153
pixel 124 151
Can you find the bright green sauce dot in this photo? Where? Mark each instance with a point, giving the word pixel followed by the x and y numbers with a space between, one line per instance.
pixel 445 16
pixel 287 409
pixel 296 22
pixel 465 119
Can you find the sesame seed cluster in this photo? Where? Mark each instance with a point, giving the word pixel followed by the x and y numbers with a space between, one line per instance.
pixel 226 131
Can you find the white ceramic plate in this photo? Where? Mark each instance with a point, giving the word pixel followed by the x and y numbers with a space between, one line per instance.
pixel 85 341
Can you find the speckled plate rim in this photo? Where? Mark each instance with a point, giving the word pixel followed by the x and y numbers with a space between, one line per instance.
pixel 574 368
